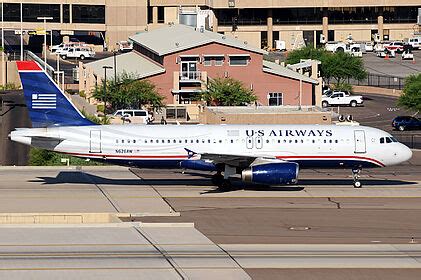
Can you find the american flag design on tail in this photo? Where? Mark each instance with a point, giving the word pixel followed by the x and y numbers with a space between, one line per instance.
pixel 44 101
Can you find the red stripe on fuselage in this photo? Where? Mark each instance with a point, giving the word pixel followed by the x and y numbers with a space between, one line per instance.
pixel 28 66
pixel 186 157
pixel 331 157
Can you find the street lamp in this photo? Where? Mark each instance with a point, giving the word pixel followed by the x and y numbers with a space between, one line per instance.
pixel 45 38
pixel 3 68
pixel 115 66
pixel 105 87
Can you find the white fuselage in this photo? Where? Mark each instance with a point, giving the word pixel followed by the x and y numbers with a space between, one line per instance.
pixel 155 146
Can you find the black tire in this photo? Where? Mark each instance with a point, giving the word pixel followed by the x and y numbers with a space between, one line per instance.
pixel 340 50
pixel 401 128
pixel 357 184
pixel 353 103
pixel 325 104
pixel 63 56
pixel 82 57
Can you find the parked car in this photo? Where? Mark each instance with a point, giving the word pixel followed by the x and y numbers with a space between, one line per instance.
pixel 341 98
pixel 406 122
pixel 78 52
pixel 396 46
pixel 131 116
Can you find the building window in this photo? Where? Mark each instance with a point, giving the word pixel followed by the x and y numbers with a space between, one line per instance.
pixel 239 60
pixel 88 14
pixel 30 12
pixel 66 13
pixel 275 99
pixel 218 60
pixel 11 12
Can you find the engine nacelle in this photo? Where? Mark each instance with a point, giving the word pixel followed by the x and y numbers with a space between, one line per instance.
pixel 198 165
pixel 281 173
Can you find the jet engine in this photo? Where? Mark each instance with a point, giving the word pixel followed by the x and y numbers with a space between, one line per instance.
pixel 281 173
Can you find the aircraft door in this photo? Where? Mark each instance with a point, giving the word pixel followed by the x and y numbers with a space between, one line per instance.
pixel 249 142
pixel 95 141
pixel 359 140
pixel 259 142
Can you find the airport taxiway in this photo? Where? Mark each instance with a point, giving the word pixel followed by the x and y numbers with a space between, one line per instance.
pixel 177 225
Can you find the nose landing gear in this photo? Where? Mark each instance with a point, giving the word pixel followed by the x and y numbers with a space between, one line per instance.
pixel 356 176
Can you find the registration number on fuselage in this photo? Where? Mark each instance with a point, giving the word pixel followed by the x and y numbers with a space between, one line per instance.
pixel 123 151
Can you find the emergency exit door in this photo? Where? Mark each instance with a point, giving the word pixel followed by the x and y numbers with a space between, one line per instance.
pixel 359 139
pixel 95 141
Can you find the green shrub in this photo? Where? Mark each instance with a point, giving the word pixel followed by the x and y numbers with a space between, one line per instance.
pixel 82 94
pixel 41 157
pixel 343 87
pixel 9 86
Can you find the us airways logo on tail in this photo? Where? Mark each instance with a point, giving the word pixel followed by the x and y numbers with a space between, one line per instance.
pixel 290 132
pixel 44 101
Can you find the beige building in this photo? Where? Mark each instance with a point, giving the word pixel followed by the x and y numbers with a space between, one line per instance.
pixel 259 23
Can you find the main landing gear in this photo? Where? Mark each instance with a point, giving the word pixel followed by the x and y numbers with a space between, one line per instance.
pixel 356 176
pixel 222 181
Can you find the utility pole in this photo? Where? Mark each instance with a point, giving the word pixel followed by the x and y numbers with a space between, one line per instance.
pixel 21 31
pixel 45 38
pixel 3 66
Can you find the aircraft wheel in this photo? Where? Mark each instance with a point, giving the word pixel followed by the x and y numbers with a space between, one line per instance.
pixel 357 184
pixel 225 185
pixel 217 179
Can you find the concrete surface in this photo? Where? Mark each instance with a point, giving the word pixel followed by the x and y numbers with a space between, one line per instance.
pixel 127 251
pixel 89 190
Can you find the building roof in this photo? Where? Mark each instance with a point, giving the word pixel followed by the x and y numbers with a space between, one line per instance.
pixel 303 64
pixel 274 68
pixel 131 63
pixel 178 37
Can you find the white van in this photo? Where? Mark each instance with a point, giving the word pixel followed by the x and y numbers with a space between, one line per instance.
pixel 414 42
pixel 130 116
pixel 78 52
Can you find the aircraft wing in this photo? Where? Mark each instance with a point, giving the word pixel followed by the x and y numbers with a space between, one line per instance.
pixel 241 161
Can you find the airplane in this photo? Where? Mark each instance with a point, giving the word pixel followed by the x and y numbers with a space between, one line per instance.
pixel 268 154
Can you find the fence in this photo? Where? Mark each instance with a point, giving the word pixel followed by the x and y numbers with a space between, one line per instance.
pixel 382 81
pixel 412 140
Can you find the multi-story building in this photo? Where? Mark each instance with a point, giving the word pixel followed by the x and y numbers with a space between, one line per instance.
pixel 180 61
pixel 257 22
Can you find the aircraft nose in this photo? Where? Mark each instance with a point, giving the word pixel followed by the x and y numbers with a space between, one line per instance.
pixel 406 153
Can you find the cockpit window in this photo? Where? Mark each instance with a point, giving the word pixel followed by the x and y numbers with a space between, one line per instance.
pixel 382 140
pixel 394 139
pixel 388 140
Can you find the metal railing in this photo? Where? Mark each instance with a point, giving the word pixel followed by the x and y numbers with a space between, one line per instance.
pixel 382 81
pixel 412 140
pixel 190 75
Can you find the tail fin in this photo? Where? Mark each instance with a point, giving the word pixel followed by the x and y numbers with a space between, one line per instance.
pixel 46 102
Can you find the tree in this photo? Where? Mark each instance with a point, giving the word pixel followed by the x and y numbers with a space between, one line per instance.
pixel 341 66
pixel 306 53
pixel 411 97
pixel 227 92
pixel 338 66
pixel 128 92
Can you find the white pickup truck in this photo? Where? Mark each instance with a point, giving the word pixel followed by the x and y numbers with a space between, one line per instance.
pixel 337 98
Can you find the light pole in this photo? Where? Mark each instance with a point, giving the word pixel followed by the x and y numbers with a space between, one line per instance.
pixel 45 39
pixel 21 31
pixel 115 66
pixel 105 87
pixel 3 68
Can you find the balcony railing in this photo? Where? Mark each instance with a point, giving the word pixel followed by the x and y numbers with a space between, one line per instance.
pixel 190 75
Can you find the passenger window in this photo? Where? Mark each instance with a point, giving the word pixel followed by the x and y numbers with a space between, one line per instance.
pixel 116 141
pixel 267 141
pixel 122 141
pixel 382 140
pixel 134 141
pixel 163 141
